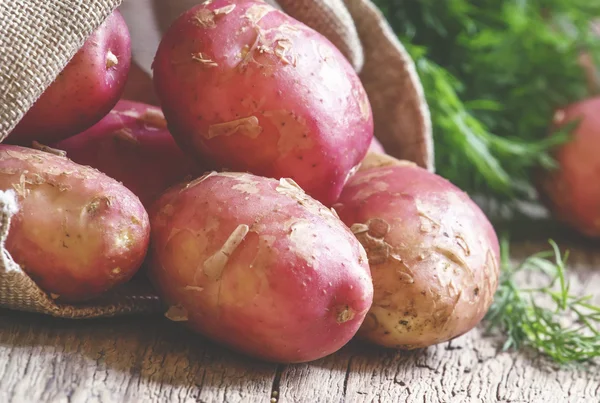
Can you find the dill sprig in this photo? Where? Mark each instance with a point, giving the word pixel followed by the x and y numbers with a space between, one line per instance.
pixel 549 319
pixel 494 72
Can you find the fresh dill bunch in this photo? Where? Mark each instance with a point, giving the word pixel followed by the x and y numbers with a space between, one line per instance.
pixel 567 330
pixel 494 72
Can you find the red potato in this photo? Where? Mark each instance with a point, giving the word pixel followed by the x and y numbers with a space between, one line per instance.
pixel 257 265
pixel 86 90
pixel 132 145
pixel 433 254
pixel 571 192
pixel 78 233
pixel 255 90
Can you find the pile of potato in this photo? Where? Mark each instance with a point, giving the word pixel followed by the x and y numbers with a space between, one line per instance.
pixel 253 205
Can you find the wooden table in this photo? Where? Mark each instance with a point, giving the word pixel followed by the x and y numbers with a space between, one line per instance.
pixel 149 359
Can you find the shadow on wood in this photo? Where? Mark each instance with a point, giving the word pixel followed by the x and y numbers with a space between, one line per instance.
pixel 150 355
pixel 150 359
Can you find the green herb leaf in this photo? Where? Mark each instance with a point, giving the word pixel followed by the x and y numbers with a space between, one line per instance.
pixel 494 72
pixel 567 330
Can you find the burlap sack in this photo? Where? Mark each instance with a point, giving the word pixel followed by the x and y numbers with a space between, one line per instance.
pixel 38 38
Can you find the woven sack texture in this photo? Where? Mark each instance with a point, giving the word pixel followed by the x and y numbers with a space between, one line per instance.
pixel 39 37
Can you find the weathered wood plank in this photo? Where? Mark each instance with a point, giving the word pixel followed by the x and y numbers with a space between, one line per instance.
pixel 124 360
pixel 153 360
pixel 469 368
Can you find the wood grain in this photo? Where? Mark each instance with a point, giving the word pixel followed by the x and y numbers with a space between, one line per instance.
pixel 121 360
pixel 148 359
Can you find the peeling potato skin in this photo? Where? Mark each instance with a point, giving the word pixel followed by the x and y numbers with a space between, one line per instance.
pixel 571 192
pixel 86 90
pixel 311 119
pixel 432 252
pixel 78 233
pixel 376 146
pixel 258 266
pixel 132 145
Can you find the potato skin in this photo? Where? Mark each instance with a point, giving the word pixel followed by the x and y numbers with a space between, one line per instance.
pixel 78 233
pixel 571 192
pixel 86 90
pixel 257 265
pixel 376 147
pixel 434 256
pixel 132 145
pixel 255 90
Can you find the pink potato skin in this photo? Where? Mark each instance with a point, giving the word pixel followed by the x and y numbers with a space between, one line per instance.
pixel 132 145
pixel 255 90
pixel 376 146
pixel 433 254
pixel 86 90
pixel 571 192
pixel 78 233
pixel 294 288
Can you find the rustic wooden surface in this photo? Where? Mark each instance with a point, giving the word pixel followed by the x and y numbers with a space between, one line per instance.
pixel 141 359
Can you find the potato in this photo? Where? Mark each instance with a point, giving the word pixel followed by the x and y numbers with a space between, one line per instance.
pixel 255 90
pixel 433 254
pixel 571 192
pixel 78 233
pixel 132 145
pixel 86 90
pixel 259 266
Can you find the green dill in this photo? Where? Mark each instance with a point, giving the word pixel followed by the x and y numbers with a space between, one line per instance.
pixel 566 328
pixel 494 72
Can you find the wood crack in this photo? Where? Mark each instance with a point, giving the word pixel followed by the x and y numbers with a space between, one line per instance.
pixel 199 385
pixel 512 367
pixel 47 390
pixel 450 347
pixel 346 378
pixel 424 365
pixel 140 360
pixel 276 381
